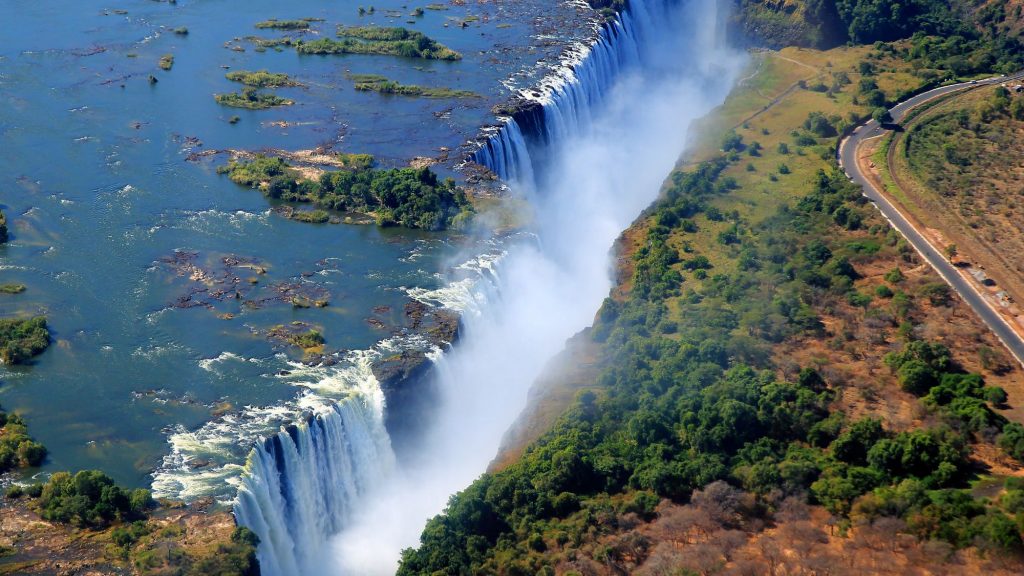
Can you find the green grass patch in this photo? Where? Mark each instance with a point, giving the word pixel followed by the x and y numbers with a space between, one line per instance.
pixel 262 42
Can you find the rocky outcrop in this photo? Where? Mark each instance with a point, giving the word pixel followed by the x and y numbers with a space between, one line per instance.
pixel 173 539
pixel 527 112
pixel 407 379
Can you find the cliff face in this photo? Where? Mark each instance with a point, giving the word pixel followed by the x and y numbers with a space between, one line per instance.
pixel 407 380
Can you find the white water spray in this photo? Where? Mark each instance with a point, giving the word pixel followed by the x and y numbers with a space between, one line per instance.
pixel 610 129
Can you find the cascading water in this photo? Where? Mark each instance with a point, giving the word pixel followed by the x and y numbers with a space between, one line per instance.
pixel 595 148
pixel 302 482
pixel 568 100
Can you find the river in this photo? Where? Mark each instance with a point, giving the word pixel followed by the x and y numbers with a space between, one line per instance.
pixel 588 156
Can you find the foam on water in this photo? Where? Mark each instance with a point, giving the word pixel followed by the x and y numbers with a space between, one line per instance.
pixel 208 461
pixel 325 494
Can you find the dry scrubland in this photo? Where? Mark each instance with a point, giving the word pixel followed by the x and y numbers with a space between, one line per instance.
pixel 723 530
pixel 958 167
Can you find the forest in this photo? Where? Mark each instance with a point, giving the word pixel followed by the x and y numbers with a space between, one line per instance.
pixel 688 399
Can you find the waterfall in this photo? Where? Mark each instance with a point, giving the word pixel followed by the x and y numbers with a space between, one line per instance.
pixel 302 482
pixel 596 141
pixel 515 152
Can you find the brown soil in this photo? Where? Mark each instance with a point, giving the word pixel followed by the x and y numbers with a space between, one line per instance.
pixel 41 547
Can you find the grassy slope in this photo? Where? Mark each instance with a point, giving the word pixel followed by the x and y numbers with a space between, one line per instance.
pixel 849 356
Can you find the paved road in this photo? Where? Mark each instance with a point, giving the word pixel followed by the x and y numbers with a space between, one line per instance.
pixel 848 160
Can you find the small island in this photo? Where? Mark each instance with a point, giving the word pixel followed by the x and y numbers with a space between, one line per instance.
pixel 261 79
pixel 22 338
pixel 378 83
pixel 3 227
pixel 276 24
pixel 251 99
pixel 409 197
pixel 380 40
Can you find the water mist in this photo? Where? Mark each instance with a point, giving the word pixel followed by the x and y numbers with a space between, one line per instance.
pixel 612 129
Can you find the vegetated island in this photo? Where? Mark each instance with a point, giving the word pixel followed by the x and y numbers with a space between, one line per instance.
pixel 380 40
pixel 252 99
pixel 262 79
pixel 300 335
pixel 276 43
pixel 166 61
pixel 3 228
pixel 17 448
pixel 22 338
pixel 777 384
pixel 378 83
pixel 273 23
pixel 414 198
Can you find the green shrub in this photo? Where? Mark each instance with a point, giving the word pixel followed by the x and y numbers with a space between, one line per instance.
pixel 90 498
pixel 21 339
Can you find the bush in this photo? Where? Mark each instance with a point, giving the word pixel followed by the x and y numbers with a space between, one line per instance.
pixel 90 498
pixel 1012 440
pixel 821 126
pixel 894 276
pixel 17 449
pixel 732 142
pixel 21 339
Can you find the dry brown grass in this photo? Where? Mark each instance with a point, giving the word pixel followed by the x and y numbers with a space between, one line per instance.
pixel 978 206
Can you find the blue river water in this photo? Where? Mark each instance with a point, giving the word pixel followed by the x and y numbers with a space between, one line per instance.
pixel 123 242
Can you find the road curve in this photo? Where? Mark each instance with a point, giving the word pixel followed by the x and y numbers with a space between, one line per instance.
pixel 847 157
